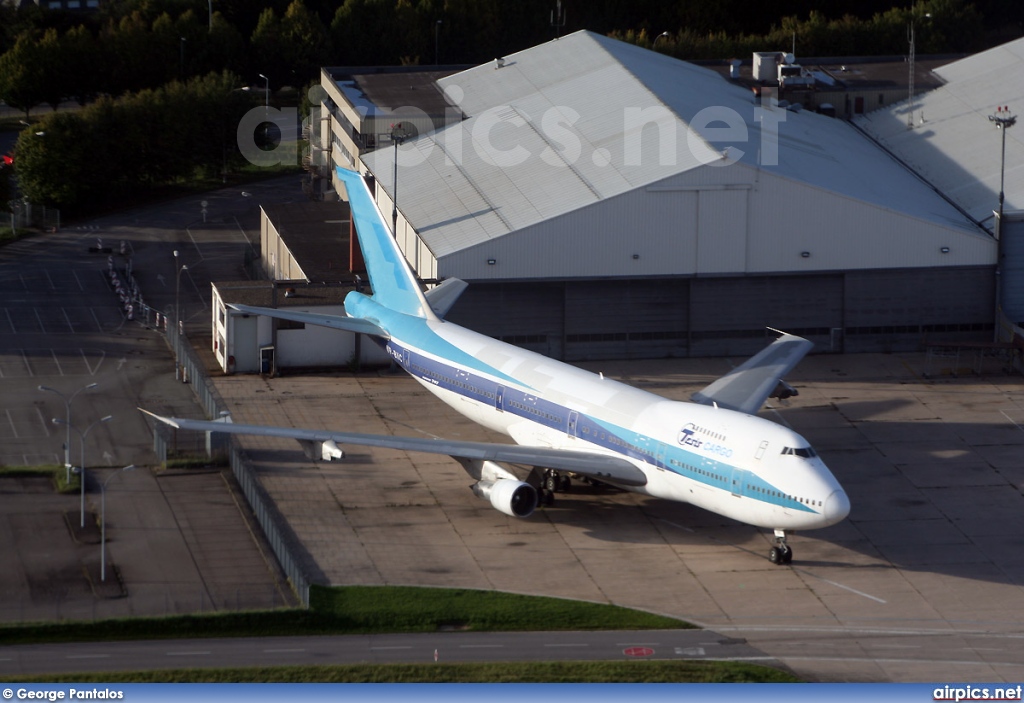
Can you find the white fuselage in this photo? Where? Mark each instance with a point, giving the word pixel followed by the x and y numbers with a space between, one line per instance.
pixel 741 466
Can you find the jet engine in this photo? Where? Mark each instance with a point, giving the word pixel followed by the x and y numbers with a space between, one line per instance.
pixel 514 498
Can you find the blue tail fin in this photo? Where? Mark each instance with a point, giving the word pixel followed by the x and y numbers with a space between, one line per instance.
pixel 394 285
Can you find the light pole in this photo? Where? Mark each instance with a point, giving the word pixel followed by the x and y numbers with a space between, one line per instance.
pixel 1003 120
pixel 81 454
pixel 67 421
pixel 398 135
pixel 103 520
pixel 663 35
pixel 266 96
pixel 437 28
pixel 177 292
pixel 910 78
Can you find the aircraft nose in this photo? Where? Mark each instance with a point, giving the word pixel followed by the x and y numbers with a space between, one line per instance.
pixel 837 506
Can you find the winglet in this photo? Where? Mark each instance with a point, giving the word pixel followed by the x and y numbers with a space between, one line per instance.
pixel 393 282
pixel 160 418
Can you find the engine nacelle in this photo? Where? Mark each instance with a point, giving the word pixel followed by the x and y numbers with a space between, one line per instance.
pixel 514 498
pixel 330 451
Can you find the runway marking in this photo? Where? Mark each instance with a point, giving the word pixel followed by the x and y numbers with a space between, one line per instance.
pixel 1012 421
pixel 77 280
pixel 23 284
pixel 802 571
pixel 54 355
pixel 28 366
pixel 839 585
pixel 41 325
pixel 47 274
pixel 99 327
pixel 10 321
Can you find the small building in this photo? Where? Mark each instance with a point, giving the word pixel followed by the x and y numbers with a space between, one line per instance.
pixel 306 258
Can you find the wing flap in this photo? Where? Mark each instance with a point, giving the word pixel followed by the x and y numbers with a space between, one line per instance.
pixel 750 384
pixel 603 467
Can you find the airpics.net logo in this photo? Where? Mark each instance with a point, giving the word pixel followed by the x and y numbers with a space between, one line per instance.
pixel 508 136
pixel 977 693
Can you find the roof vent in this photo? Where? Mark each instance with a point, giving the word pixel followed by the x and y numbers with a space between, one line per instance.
pixel 499 62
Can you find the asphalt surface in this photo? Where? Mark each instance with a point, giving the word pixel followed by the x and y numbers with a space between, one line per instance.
pixel 922 583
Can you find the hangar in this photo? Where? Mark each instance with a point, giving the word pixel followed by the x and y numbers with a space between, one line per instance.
pixel 606 201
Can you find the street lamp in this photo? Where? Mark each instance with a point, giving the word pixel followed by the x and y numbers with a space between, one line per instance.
pixel 398 135
pixel 910 78
pixel 266 95
pixel 103 520
pixel 81 453
pixel 663 35
pixel 67 420
pixel 1003 120
pixel 177 291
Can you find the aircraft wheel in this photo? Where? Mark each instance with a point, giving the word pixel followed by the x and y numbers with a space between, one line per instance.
pixel 551 482
pixel 787 555
pixel 564 483
pixel 775 556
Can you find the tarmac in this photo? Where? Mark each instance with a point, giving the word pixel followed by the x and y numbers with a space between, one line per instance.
pixel 923 582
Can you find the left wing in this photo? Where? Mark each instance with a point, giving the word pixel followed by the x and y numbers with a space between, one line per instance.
pixel 747 386
pixel 338 322
pixel 603 467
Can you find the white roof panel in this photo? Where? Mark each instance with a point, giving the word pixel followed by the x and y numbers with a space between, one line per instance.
pixel 585 118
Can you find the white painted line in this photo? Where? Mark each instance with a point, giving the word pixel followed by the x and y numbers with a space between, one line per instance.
pixel 280 651
pixel 85 359
pixel 839 585
pixel 77 280
pixel 68 320
pixel 87 656
pixel 42 421
pixel 54 355
pixel 41 325
pixel 23 284
pixel 685 529
pixel 567 645
pixel 47 274
pixel 97 320
pixel 10 321
pixel 28 366
pixel 188 654
pixel 396 647
pixel 1011 421
pixel 481 646
pixel 11 420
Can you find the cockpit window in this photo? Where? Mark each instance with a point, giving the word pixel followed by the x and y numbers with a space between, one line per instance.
pixel 806 452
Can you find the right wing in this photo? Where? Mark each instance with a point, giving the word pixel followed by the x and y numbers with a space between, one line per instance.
pixel 747 386
pixel 603 467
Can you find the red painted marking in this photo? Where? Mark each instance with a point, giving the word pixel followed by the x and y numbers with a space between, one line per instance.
pixel 638 651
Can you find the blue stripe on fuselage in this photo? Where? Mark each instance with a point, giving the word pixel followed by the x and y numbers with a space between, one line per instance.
pixel 521 402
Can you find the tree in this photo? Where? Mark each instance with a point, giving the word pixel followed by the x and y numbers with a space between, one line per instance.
pixel 53 159
pixel 268 56
pixel 22 75
pixel 305 43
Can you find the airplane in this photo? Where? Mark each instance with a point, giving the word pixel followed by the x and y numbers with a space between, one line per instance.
pixel 714 453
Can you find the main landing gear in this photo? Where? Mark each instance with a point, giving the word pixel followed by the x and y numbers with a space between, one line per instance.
pixel 549 483
pixel 780 553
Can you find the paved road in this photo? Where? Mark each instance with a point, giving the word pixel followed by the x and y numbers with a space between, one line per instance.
pixel 30 660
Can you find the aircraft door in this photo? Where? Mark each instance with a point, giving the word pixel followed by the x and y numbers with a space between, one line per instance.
pixel 761 449
pixel 737 481
pixel 499 399
pixel 574 421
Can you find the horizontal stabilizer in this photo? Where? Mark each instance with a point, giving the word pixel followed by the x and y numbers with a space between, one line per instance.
pixel 750 384
pixel 603 467
pixel 338 322
pixel 443 296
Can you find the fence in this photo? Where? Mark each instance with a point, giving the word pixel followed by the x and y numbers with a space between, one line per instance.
pixel 24 214
pixel 283 542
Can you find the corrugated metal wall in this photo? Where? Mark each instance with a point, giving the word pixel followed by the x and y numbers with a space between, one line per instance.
pixel 1012 293
pixel 854 311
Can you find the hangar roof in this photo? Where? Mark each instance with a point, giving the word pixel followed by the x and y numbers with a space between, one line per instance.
pixel 583 118
pixel 954 144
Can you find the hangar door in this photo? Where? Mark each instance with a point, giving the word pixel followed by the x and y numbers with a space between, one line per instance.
pixel 730 316
pixel 1012 293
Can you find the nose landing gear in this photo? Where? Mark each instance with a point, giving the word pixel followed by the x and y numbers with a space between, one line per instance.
pixel 780 553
